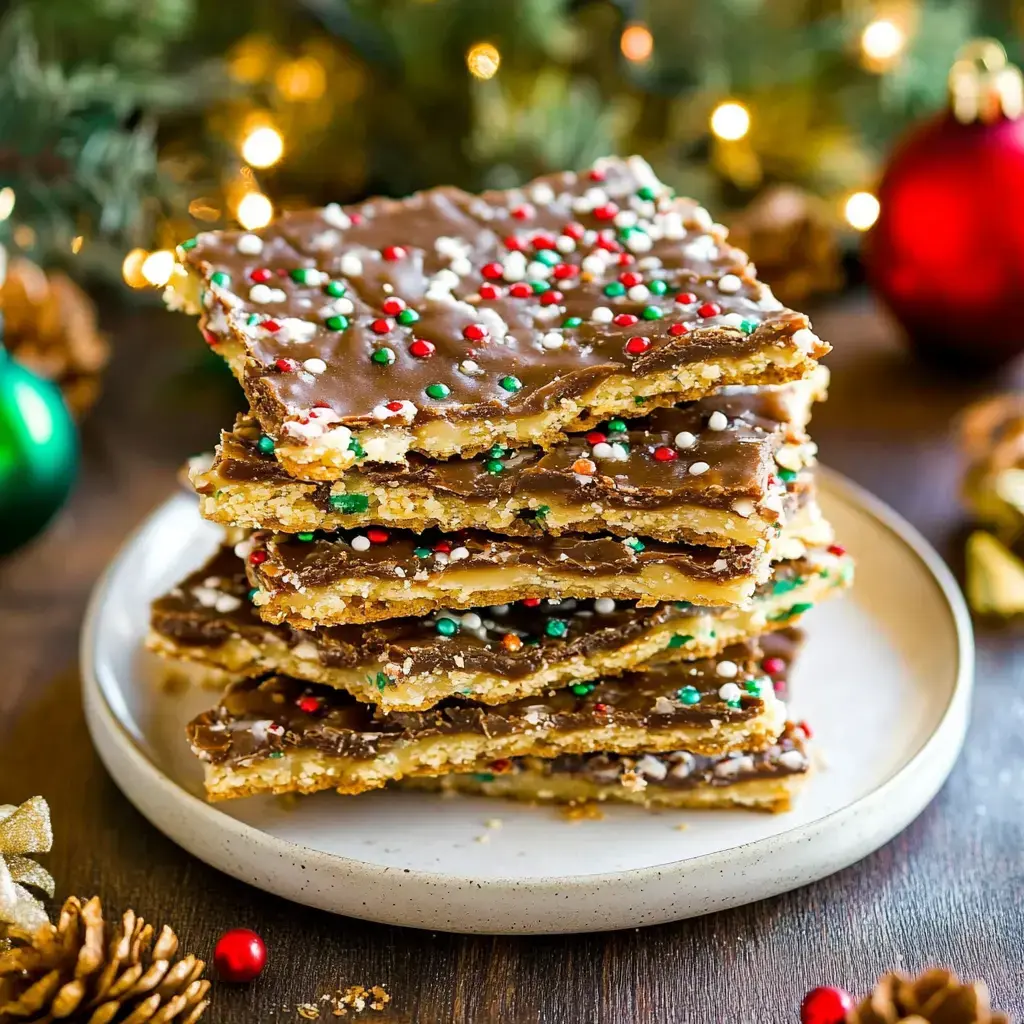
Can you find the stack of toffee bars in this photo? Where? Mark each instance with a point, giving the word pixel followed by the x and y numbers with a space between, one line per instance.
pixel 523 505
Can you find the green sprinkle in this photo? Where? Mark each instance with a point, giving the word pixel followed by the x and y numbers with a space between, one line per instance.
pixel 846 573
pixel 253 591
pixel 252 320
pixel 616 426
pixel 497 451
pixel 682 606
pixel 349 503
pixel 446 627
pixel 483 777
pixel 511 384
pixel 407 316
pixel 220 279
pixel 304 536
pixel 556 627
pixel 679 640
pixel 276 754
pixel 639 400
pixel 356 449
pixel 383 356
pixel 647 193
pixel 304 275
pixel 437 390
pixel 582 689
pixel 265 444
pixel 785 586
pixel 337 323
pixel 572 321
pixel 689 695
pixel 539 286
pixel 797 609
pixel 635 543
pixel 625 233
pixel 548 257
pixel 754 686
pixel 189 243
pixel 787 475
pixel 494 466
pixel 748 326
pixel 421 552
pixel 335 289
pixel 651 313
pixel 382 681
pixel 541 511
pixel 614 289
pixel 657 287
pixel 734 703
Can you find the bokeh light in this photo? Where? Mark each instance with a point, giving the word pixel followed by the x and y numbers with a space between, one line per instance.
pixel 157 267
pixel 730 121
pixel 636 43
pixel 255 210
pixel 263 147
pixel 131 268
pixel 483 60
pixel 882 40
pixel 861 210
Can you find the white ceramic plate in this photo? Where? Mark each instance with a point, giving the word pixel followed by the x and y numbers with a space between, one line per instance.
pixel 885 681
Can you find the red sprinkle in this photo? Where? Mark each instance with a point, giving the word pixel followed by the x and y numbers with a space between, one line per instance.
pixel 524 212
pixel 665 454
pixel 626 259
pixel 321 405
pixel 601 709
pixel 394 252
pixel 488 291
pixel 209 338
pixel 271 325
pixel 520 290
pixel 493 271
pixel 595 175
pixel 551 297
pixel 542 241
pixel 636 346
pixel 443 546
pixel 606 212
pixel 261 275
pixel 630 278
pixel 311 705
pixel 474 332
pixel 686 298
pixel 625 320
pixel 709 309
pixel 421 348
pixel 377 535
pixel 610 244
pixel 257 557
pixel 531 602
pixel 773 666
pixel 286 365
pixel 356 218
pixel 380 326
pixel 564 271
pixel 513 243
pixel 596 437
pixel 677 329
pixel 802 724
pixel 837 549
pixel 394 406
pixel 574 230
pixel 501 765
pixel 393 305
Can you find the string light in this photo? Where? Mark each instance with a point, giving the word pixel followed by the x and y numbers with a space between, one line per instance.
pixel 131 268
pixel 6 202
pixel 157 267
pixel 301 80
pixel 483 60
pixel 861 210
pixel 254 211
pixel 263 147
pixel 636 43
pixel 730 121
pixel 882 40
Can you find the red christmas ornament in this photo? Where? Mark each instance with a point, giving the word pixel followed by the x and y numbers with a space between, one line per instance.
pixel 947 252
pixel 239 956
pixel 826 1005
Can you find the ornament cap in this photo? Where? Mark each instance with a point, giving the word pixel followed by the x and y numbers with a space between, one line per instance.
pixel 983 85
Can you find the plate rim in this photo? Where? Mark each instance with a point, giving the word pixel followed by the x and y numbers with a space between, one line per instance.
pixel 100 715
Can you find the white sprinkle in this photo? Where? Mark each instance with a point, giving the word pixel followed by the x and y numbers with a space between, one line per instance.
pixel 793 760
pixel 471 620
pixel 458 554
pixel 805 340
pixel 604 606
pixel 718 421
pixel 731 320
pixel 499 609
pixel 542 194
pixel 469 366
pixel 450 247
pixel 663 706
pixel 684 439
pixel 565 244
pixel 461 266
pixel 730 691
pixel 727 670
pixel 601 315
pixel 603 450
pixel 249 245
pixel 701 218
pixel 652 767
pixel 514 266
pixel 743 507
pixel 351 265
pixel 446 279
pixel 227 603
pixel 243 548
pixel 314 365
pixel 593 264
pixel 537 271
pixel 263 294
pixel 334 215
pixel 638 292
pixel 639 241
pixel 595 196
pixel 552 340
pixel 619 451
pixel 729 283
pixel 625 218
pixel 696 468
pixel 338 307
pixel 360 542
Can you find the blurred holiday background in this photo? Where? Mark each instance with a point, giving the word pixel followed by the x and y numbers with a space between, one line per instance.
pixel 127 127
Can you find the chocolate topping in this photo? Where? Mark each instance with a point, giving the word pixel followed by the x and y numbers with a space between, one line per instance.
pixel 523 298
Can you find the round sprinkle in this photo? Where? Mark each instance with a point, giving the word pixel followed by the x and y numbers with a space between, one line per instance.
pixel 582 689
pixel 689 695
pixel 665 454
pixel 351 265
pixel 637 346
pixel 604 606
pixel 601 315
pixel 360 543
pixel 730 691
pixel 446 627
pixel 472 621
pixel 494 466
pixel 437 390
pixel 314 365
pixel 729 283
pixel 657 287
pixel 469 366
pixel 556 627
pixel 625 320
pixel 552 340
pixel 726 669
pixel 383 357
pixel 718 421
pixel 686 298
pixel 614 289
pixel 377 535
pixel 511 642
pixel 249 245
pixel 651 313
pixel 638 293
pixel 684 439
pixel 457 554
pixel 305 536
pixel 335 289
pixel 305 275
pixel 380 326
pixel 511 384
pixel 584 467
pixel 474 332
pixel 220 279
pixel 709 309
pixel 678 330
pixel 265 444
pixel 421 348
pixel 337 323
pixel 408 316
pixel 572 321
pixel 748 326
pixel 393 305
pixel 616 426
pixel 696 468
pixel 393 253
pixel 603 450
pixel 754 686
pixel 261 275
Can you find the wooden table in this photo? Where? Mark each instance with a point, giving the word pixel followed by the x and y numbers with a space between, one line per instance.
pixel 945 891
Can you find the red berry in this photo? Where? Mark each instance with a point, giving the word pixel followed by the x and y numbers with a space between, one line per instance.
pixel 520 290
pixel 493 271
pixel 625 320
pixel 393 306
pixel 393 252
pixel 257 557
pixel 421 348
pixel 551 297
pixel 709 309
pixel 676 330
pixel 394 406
pixel 665 454
pixel 513 243
pixel 596 437
pixel 309 705
pixel 564 271
pixel 574 230
pixel 380 326
pixel 261 275
pixel 239 956
pixel 488 291
pixel 531 602
pixel 774 666
pixel 826 1005
pixel 286 365
pixel 474 332
pixel 630 278
pixel 594 174
pixel 271 325
pixel 837 549
pixel 524 212
pixel 606 212
pixel 636 346
pixel 377 535
pixel 686 298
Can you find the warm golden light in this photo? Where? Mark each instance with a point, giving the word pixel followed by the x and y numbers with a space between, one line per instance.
pixel 730 121
pixel 636 43
pixel 301 80
pixel 254 211
pixel 6 202
pixel 204 209
pixel 882 40
pixel 263 147
pixel 131 268
pixel 157 267
pixel 861 210
pixel 483 60
pixel 24 236
pixel 76 244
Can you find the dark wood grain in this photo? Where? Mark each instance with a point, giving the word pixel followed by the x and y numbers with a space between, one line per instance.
pixel 947 890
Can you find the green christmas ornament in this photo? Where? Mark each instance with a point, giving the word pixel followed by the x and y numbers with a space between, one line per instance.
pixel 38 453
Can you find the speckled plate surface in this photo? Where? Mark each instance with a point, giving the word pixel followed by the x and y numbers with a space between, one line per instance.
pixel 885 681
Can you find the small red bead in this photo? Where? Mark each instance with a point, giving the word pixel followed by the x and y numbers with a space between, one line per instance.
pixel 257 557
pixel 209 338
pixel 488 291
pixel 709 309
pixel 826 1005
pixel 626 259
pixel 595 175
pixel 625 319
pixel 380 326
pixel 286 365
pixel 443 546
pixel 501 765
pixel 542 241
pixel 524 212
pixel 393 305
pixel 239 956
pixel 606 212
pixel 636 346
pixel 513 243
pixel 630 278
pixel 271 325
pixel 394 252
pixel 394 406
pixel 321 405
pixel 421 348
pixel 686 298
pixel 837 549
pixel 806 729
pixel 474 332
pixel 377 535
pixel 574 230
pixel 665 454
pixel 281 272
pixel 551 297
pixel 610 244
pixel 531 602
pixel 601 709
pixel 261 275
pixel 773 666
pixel 679 329
pixel 310 705
pixel 520 290
pixel 564 271
pixel 596 437
pixel 493 271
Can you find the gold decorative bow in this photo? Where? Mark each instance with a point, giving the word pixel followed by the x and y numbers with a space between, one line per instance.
pixel 23 830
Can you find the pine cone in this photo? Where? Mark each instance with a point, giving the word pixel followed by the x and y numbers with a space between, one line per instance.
pixel 50 327
pixel 935 997
pixel 91 972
